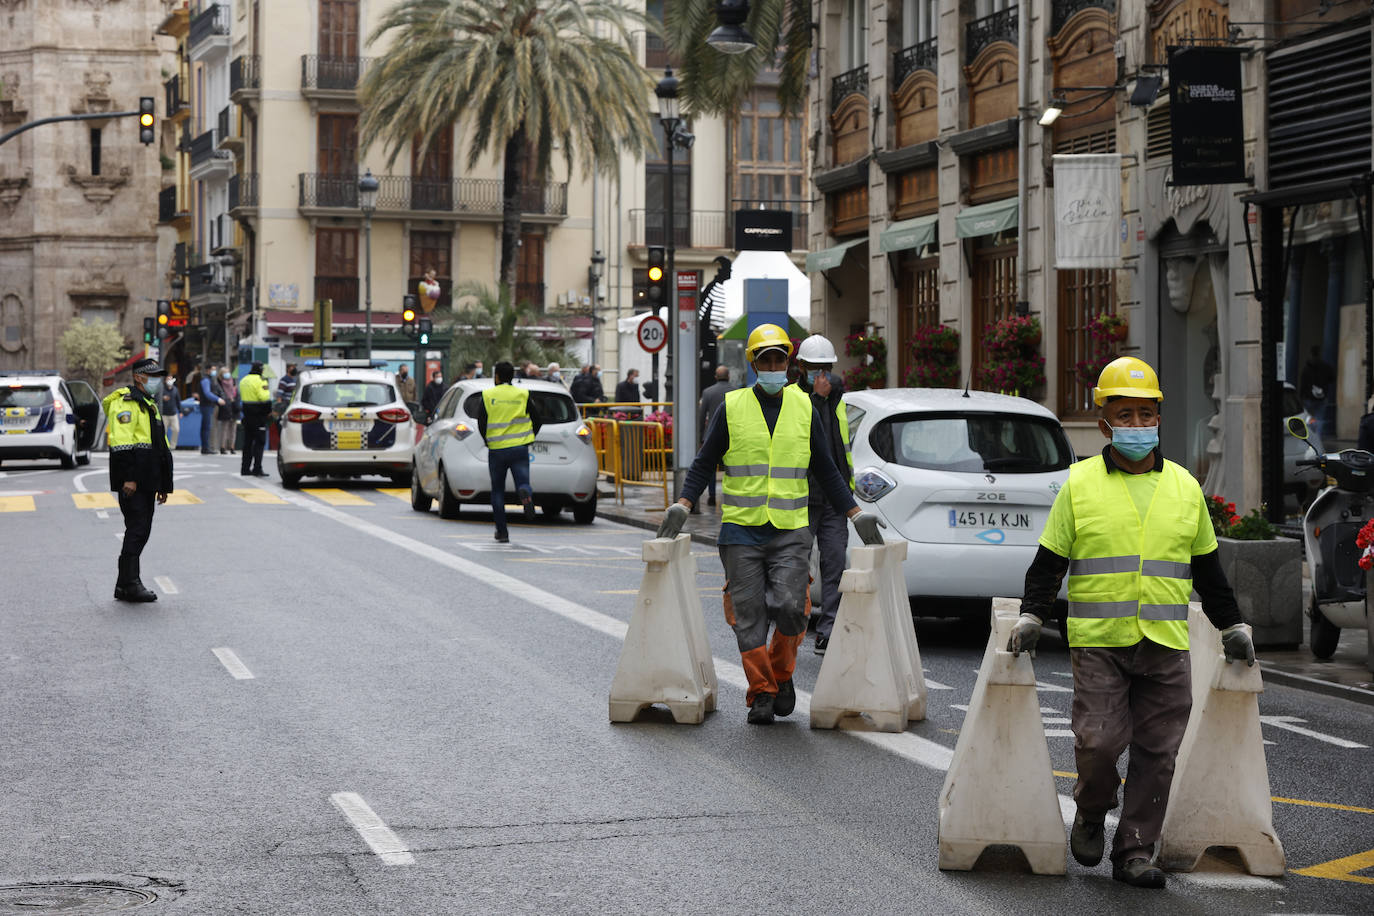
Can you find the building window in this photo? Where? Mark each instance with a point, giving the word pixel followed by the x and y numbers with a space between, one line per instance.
pixel 432 251
pixel 336 160
pixel 95 150
pixel 920 21
pixel 336 267
pixel 431 183
pixel 529 271
pixel 983 8
pixel 854 49
pixel 918 300
pixel 656 194
pixel 994 286
pixel 339 29
pixel 769 154
pixel 1083 296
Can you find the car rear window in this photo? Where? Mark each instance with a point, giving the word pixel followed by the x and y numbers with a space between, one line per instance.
pixel 345 393
pixel 1001 443
pixel 25 396
pixel 545 406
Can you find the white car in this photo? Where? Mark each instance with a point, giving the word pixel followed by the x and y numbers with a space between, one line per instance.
pixel 44 416
pixel 451 458
pixel 966 479
pixel 345 419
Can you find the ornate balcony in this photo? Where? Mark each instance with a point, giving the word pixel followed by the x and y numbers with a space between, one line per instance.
pixel 846 84
pixel 177 103
pixel 332 78
pixel 920 56
pixel 245 75
pixel 207 161
pixel 478 199
pixel 209 31
pixel 243 194
pixel 980 33
pixel 1061 11
pixel 227 134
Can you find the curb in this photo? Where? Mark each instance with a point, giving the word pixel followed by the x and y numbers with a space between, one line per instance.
pixel 1317 685
pixel 649 522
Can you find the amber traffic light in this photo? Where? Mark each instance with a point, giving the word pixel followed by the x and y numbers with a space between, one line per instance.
pixel 146 119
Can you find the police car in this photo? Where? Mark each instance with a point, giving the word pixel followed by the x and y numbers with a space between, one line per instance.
pixel 43 415
pixel 451 458
pixel 346 418
pixel 966 479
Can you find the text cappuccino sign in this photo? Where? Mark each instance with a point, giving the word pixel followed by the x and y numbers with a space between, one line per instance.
pixel 1207 129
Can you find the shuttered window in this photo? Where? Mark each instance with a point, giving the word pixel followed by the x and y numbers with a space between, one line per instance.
pixel 1319 110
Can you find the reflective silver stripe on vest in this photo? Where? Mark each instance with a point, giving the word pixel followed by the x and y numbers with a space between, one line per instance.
pixel 1164 612
pixel 787 473
pixel 1166 569
pixel 743 502
pixel 1099 566
pixel 1103 609
pixel 788 504
pixel 507 436
pixel 746 470
pixel 491 425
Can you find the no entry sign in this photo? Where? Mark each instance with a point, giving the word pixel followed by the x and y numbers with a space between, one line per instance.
pixel 653 334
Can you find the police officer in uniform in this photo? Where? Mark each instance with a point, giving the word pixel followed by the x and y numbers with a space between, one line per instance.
pixel 505 423
pixel 257 412
pixel 1133 533
pixel 140 469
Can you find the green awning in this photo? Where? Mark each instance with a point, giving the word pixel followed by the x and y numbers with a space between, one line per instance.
pixel 911 233
pixel 987 219
pixel 830 258
pixel 740 329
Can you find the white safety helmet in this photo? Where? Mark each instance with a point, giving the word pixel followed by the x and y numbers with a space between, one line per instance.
pixel 817 351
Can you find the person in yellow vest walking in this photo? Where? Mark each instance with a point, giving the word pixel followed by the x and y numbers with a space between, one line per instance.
pixel 816 357
pixel 256 397
pixel 1132 531
pixel 140 469
pixel 771 441
pixel 505 423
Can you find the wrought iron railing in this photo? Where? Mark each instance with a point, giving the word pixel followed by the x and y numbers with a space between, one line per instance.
pixel 920 56
pixel 245 72
pixel 179 259
pixel 691 229
pixel 200 271
pixel 243 190
pixel 848 83
pixel 175 101
pixel 343 290
pixel 212 20
pixel 223 125
pixel 202 147
pixel 341 73
pixel 167 204
pixel 978 34
pixel 1061 11
pixel 447 195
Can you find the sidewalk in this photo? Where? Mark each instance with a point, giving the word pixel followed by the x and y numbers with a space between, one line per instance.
pixel 1343 675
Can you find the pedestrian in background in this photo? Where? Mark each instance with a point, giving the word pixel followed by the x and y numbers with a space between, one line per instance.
pixel 711 400
pixel 504 420
pixel 477 368
pixel 1133 532
pixel 1315 386
pixel 140 469
pixel 406 384
pixel 211 399
pixel 227 416
pixel 554 374
pixel 286 385
pixel 580 389
pixel 434 392
pixel 257 412
pixel 169 400
pixel 627 391
pixel 815 358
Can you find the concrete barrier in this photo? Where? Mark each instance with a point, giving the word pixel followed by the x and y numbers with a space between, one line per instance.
pixel 871 676
pixel 999 790
pixel 666 658
pixel 1220 794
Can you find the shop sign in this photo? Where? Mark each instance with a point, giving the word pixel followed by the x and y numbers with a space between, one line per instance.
pixel 1207 130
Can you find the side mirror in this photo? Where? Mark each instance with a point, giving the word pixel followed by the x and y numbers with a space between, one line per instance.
pixel 1297 427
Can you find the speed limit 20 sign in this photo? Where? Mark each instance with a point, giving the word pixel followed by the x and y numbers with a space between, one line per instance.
pixel 653 334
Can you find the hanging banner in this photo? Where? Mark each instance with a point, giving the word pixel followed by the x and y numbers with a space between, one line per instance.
pixel 1207 131
pixel 1087 211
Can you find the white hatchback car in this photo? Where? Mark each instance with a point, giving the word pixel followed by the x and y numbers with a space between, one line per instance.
pixel 451 458
pixel 43 415
pixel 966 479
pixel 345 419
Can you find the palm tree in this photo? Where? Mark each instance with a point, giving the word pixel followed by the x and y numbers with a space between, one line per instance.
pixel 713 83
pixel 523 75
pixel 486 325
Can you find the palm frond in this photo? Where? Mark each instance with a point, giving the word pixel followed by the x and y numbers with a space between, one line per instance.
pixel 713 83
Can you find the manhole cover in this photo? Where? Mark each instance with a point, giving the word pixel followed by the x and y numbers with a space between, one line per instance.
pixel 73 899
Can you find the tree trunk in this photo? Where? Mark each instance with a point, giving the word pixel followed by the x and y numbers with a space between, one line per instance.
pixel 510 211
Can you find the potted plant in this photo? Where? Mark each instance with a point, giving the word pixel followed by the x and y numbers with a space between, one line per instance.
pixel 1264 570
pixel 934 357
pixel 1106 332
pixel 871 372
pixel 1014 364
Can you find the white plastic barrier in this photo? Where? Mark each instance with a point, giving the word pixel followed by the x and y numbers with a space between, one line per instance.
pixel 666 658
pixel 1220 794
pixel 1000 788
pixel 872 671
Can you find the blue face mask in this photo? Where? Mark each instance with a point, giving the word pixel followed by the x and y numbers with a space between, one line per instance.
pixel 773 382
pixel 153 386
pixel 1135 442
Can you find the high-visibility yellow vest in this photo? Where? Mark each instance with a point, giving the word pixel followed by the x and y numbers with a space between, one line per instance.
pixel 765 476
pixel 508 417
pixel 128 419
pixel 253 389
pixel 1128 579
pixel 843 416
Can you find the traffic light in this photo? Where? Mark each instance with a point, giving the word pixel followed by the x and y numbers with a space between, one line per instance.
pixel 657 293
pixel 408 304
pixel 149 329
pixel 146 118
pixel 426 325
pixel 164 315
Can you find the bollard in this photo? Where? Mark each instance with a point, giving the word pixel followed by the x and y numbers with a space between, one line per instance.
pixel 666 658
pixel 1220 793
pixel 872 673
pixel 999 790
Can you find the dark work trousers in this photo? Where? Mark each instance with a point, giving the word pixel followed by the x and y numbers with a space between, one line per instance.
pixel 515 459
pixel 831 531
pixel 254 437
pixel 1137 697
pixel 138 520
pixel 767 584
pixel 207 425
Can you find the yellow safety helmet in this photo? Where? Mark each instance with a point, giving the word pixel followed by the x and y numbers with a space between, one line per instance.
pixel 1127 377
pixel 765 337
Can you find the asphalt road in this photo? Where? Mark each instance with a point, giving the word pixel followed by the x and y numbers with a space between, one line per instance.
pixel 339 705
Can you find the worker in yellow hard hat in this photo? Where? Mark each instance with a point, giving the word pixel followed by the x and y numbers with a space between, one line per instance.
pixel 1133 532
pixel 770 439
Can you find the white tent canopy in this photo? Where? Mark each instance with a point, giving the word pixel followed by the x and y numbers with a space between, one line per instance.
pixel 767 265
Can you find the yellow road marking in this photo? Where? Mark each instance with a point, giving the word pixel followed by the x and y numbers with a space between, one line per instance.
pixel 257 497
pixel 1342 869
pixel 103 500
pixel 1317 804
pixel 16 504
pixel 338 497
pixel 398 492
pixel 183 498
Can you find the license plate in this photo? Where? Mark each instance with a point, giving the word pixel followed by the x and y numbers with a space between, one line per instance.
pixel 346 426
pixel 539 448
pixel 16 421
pixel 989 518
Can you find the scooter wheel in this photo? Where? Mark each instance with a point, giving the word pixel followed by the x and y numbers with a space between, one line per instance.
pixel 1325 634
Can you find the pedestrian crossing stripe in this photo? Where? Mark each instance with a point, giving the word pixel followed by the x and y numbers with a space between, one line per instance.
pixel 251 495
pixel 16 504
pixel 183 498
pixel 103 500
pixel 338 497
pixel 398 492
pixel 257 497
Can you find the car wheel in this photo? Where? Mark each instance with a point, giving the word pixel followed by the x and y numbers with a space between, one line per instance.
pixel 291 481
pixel 1325 634
pixel 585 513
pixel 69 461
pixel 84 459
pixel 449 505
pixel 420 501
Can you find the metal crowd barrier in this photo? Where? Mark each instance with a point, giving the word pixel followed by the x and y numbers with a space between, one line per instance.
pixel 631 452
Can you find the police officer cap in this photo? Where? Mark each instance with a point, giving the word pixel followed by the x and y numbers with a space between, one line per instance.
pixel 147 367
pixel 255 369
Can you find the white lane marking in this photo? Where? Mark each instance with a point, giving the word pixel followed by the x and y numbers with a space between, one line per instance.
pixel 923 751
pixel 1052 688
pixel 166 585
pixel 1058 732
pixel 1056 720
pixel 102 513
pixel 232 664
pixel 1224 881
pixel 1062 673
pixel 1286 723
pixel 375 833
pixel 936 685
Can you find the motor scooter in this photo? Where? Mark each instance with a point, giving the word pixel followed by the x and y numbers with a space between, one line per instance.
pixel 1340 597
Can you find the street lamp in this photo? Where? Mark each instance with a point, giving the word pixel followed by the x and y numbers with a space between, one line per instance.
pixel 684 335
pixel 367 199
pixel 731 37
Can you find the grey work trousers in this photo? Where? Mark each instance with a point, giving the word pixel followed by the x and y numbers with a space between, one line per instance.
pixel 1137 696
pixel 768 584
pixel 831 531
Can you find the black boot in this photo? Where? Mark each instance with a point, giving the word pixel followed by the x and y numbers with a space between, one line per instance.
pixel 134 589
